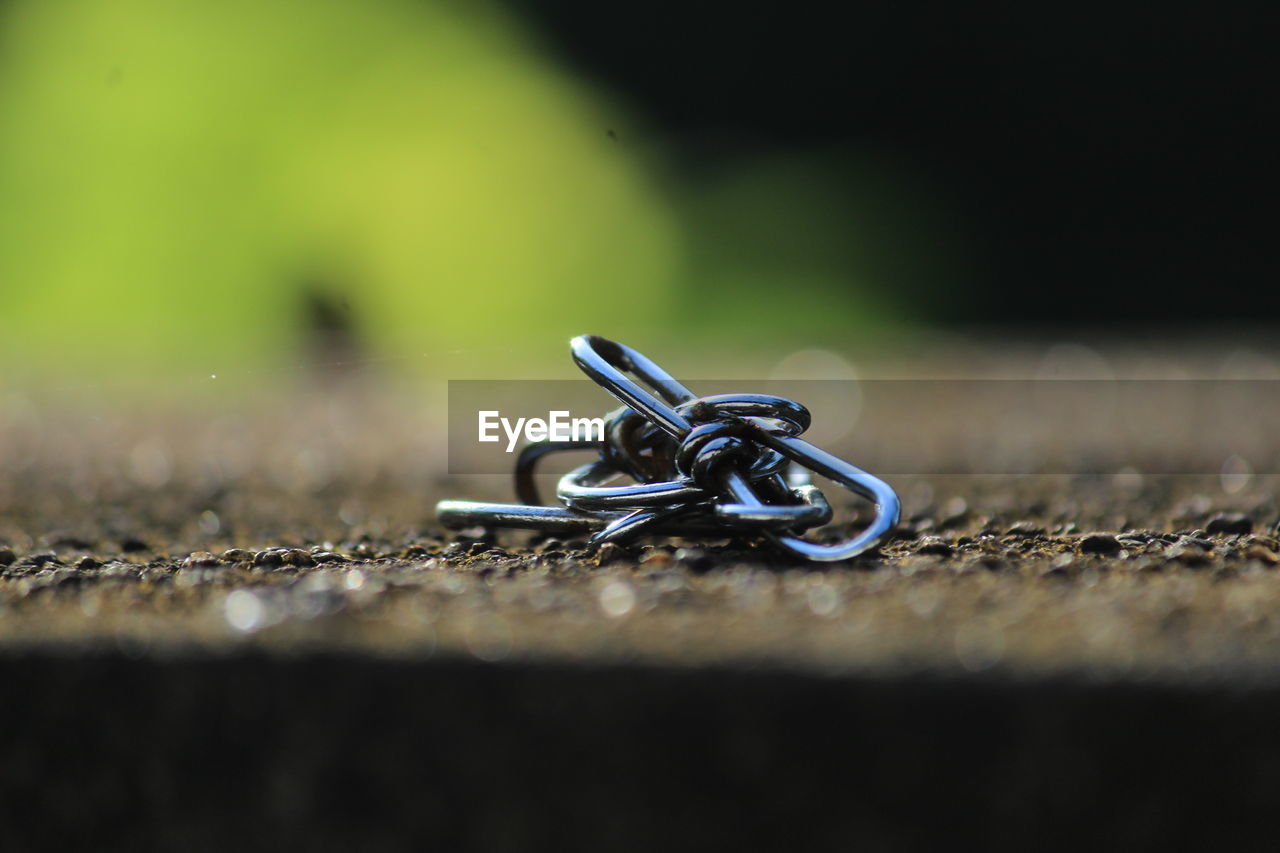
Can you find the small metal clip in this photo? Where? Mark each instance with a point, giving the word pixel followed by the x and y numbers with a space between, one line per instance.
pixel 722 465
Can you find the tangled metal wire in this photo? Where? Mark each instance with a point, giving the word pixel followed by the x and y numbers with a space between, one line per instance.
pixel 723 465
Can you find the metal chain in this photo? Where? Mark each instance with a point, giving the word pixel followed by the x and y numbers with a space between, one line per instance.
pixel 727 465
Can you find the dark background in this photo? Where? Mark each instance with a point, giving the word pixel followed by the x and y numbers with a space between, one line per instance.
pixel 1113 164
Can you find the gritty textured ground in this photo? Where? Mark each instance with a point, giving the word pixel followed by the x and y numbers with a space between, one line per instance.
pixel 240 628
pixel 983 593
pixel 314 528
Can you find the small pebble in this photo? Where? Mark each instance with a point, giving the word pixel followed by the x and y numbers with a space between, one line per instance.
pixel 7 557
pixel 694 559
pixel 85 563
pixel 298 557
pixel 1188 555
pixel 657 559
pixel 237 555
pixel 609 552
pixel 268 558
pixel 934 545
pixel 1230 523
pixel 1100 543
pixel 198 559
pixel 132 544
pixel 456 549
pixel 1025 528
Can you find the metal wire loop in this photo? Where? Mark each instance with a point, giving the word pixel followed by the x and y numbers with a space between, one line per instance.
pixel 673 463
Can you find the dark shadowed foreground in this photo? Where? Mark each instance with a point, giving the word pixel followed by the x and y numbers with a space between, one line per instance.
pixel 221 632
pixel 337 751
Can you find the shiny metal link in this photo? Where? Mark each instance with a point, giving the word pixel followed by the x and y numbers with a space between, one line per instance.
pixel 722 465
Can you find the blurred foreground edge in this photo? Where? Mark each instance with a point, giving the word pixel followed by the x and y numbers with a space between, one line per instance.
pixel 336 751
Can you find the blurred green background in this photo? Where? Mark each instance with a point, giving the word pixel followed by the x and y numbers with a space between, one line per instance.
pixel 189 187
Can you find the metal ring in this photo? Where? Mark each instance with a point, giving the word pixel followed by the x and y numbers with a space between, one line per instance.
pixel 834 468
pixel 581 492
pixel 581 489
pixel 608 363
pixel 527 463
